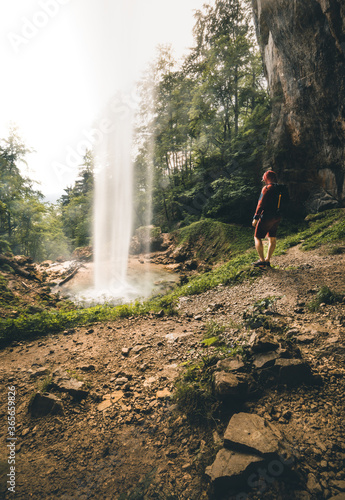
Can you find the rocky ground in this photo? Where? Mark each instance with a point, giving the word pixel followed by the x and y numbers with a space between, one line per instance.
pixel 104 423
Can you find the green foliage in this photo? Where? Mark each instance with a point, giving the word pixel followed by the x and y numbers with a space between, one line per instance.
pixel 318 229
pixel 336 250
pixel 21 207
pixel 256 315
pixel 235 271
pixel 7 299
pixel 324 296
pixel 77 206
pixel 213 329
pixel 204 123
pixel 193 392
pixel 29 325
pixel 45 384
pixel 212 240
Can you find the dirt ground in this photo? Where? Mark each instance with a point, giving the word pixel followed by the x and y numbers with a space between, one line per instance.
pixel 126 436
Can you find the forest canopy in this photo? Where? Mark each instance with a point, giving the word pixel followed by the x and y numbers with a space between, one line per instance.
pixel 200 135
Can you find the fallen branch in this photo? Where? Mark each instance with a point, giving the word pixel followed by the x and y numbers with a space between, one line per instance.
pixel 70 276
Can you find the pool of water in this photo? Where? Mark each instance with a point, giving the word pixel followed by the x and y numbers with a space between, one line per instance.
pixel 143 281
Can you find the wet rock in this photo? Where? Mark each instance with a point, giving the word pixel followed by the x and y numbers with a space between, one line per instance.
pixel 231 364
pixel 179 254
pixel 229 466
pixel 293 372
pixel 45 404
pixel 191 265
pixel 227 384
pixel 253 434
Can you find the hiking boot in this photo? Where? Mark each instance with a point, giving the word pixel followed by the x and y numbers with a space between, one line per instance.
pixel 259 263
pixel 268 264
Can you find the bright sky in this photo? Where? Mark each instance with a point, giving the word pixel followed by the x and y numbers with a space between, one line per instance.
pixel 63 60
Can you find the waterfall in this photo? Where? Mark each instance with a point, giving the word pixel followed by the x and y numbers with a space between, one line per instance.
pixel 113 202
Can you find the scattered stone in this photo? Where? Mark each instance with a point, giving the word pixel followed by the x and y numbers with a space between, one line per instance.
pixel 39 373
pixel 125 351
pixel 164 394
pixel 87 368
pixel 264 359
pixel 338 484
pixel 71 386
pixel 45 404
pixel 121 381
pixel 313 486
pixel 104 405
pixel 230 364
pixel 230 465
pixel 227 384
pixel 25 432
pixel 110 399
pixel 251 433
pixel 305 339
pixel 263 343
pixel 139 348
pixel 293 372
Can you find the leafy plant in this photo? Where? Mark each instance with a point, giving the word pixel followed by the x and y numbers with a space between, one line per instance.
pixel 324 296
pixel 256 315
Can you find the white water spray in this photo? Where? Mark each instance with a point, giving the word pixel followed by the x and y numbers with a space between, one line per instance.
pixel 113 204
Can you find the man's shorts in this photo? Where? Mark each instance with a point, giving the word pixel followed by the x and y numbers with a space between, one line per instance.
pixel 267 227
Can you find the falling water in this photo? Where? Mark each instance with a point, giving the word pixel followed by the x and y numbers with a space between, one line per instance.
pixel 113 204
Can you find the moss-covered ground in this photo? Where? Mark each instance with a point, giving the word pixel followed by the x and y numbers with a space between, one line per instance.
pixel 211 238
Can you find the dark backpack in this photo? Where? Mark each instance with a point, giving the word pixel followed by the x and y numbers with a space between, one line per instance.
pixel 282 198
pixel 278 204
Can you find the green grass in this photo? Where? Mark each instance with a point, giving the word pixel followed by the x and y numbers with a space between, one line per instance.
pixel 47 322
pixel 213 240
pixel 193 393
pixel 324 296
pixel 326 228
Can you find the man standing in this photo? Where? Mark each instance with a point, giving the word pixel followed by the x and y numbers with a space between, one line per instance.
pixel 266 219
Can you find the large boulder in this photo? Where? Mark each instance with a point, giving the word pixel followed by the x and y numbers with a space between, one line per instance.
pixel 251 433
pixel 147 239
pixel 303 48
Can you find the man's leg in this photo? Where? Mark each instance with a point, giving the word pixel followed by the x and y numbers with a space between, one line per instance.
pixel 272 241
pixel 259 248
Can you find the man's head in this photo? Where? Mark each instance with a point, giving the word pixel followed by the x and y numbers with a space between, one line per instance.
pixel 270 177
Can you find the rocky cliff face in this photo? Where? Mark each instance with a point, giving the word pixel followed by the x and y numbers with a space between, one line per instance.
pixel 303 47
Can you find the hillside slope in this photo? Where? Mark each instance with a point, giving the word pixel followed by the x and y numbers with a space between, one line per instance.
pixel 126 439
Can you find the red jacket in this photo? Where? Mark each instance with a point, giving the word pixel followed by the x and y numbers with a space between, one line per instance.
pixel 267 196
